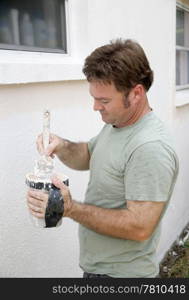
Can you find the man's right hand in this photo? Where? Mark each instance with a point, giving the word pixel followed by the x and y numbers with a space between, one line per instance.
pixel 73 155
pixel 55 146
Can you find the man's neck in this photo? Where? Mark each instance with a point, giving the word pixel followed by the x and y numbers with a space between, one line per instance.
pixel 135 116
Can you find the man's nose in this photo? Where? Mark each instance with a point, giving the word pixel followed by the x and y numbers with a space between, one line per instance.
pixel 97 105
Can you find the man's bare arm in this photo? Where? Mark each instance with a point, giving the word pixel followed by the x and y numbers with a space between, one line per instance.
pixel 137 222
pixel 74 155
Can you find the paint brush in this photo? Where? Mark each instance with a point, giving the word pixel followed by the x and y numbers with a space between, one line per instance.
pixel 44 166
pixel 46 128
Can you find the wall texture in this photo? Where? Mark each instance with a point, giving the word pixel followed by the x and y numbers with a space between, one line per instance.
pixel 26 251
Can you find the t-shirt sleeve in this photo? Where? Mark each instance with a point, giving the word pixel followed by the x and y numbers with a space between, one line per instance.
pixel 91 143
pixel 150 173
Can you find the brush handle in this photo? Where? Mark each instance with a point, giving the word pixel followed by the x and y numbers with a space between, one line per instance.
pixel 46 129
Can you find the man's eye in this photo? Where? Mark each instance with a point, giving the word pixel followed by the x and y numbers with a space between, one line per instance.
pixel 105 101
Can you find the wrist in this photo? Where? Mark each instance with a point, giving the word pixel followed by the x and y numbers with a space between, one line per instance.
pixel 70 212
pixel 61 147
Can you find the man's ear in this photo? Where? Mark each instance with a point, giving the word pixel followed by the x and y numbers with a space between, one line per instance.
pixel 137 93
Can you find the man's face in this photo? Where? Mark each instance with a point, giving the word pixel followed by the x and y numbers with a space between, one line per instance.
pixel 110 103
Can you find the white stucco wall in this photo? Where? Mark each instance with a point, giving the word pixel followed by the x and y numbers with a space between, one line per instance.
pixel 26 251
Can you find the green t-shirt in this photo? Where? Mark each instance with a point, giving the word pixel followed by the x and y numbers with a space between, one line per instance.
pixel 136 162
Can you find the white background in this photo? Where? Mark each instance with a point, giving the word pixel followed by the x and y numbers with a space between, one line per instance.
pixel 26 251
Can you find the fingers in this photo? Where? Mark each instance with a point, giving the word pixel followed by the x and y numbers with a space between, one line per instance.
pixel 38 195
pixel 37 212
pixel 53 143
pixel 39 144
pixel 37 202
pixel 59 184
pixel 51 148
pixel 68 202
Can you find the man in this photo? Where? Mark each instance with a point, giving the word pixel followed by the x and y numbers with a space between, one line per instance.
pixel 133 168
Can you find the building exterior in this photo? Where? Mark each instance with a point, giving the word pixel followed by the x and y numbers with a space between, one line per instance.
pixel 31 81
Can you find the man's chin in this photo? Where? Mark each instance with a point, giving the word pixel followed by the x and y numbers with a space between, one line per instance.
pixel 105 119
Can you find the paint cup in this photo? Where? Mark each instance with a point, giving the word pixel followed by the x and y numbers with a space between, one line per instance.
pixel 55 207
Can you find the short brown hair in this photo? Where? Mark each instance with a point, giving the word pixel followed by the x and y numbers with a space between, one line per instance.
pixel 122 62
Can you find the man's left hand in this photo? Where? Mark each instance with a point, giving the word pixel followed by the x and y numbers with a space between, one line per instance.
pixel 68 202
pixel 37 200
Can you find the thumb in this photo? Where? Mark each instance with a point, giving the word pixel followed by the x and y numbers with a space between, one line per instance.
pixel 50 149
pixel 58 183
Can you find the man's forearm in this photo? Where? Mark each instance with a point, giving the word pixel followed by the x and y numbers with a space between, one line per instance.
pixel 74 155
pixel 118 223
